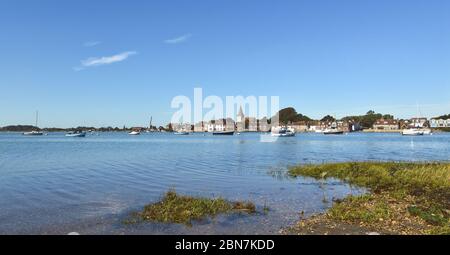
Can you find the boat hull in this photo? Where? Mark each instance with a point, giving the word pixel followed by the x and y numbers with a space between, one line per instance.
pixel 33 133
pixel 224 133
pixel 412 133
pixel 334 133
pixel 76 135
pixel 284 135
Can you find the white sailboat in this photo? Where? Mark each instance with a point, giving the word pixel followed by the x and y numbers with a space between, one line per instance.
pixel 150 126
pixel 34 132
pixel 417 129
pixel 412 132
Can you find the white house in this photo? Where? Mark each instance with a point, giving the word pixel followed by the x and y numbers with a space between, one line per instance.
pixel 386 124
pixel 437 123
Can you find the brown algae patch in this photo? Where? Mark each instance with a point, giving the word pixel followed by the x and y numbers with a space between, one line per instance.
pixel 404 198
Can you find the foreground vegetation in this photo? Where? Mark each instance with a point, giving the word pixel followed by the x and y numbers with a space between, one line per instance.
pixel 175 208
pixel 404 198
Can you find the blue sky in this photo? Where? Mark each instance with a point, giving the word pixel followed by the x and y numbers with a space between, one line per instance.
pixel 119 62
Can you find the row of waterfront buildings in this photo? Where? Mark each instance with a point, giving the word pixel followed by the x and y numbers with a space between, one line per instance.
pixel 251 124
pixel 395 124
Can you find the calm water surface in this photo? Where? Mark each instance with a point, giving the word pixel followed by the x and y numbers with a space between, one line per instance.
pixel 55 185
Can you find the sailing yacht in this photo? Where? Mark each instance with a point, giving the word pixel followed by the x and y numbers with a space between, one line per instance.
pixel 150 129
pixel 417 129
pixel 34 132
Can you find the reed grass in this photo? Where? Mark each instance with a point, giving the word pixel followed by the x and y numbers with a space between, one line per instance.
pixel 412 198
pixel 175 208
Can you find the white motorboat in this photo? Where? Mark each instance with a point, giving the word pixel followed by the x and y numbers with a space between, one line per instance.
pixel 332 131
pixel 412 132
pixel 76 134
pixel 134 133
pixel 283 132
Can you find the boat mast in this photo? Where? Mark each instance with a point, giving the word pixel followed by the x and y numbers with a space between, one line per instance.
pixel 37 114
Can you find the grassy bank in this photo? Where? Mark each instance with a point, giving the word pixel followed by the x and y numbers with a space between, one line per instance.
pixel 175 208
pixel 442 129
pixel 404 198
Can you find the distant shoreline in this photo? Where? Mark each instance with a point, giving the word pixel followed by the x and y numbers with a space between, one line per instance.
pixel 197 132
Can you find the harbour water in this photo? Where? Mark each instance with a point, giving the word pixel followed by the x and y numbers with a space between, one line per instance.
pixel 56 185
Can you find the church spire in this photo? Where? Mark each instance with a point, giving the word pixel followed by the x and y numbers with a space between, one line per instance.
pixel 240 116
pixel 241 113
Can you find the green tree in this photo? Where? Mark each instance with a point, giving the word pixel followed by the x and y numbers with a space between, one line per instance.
pixel 289 114
pixel 328 118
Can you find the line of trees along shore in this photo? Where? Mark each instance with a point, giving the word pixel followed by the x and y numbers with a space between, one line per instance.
pixel 290 115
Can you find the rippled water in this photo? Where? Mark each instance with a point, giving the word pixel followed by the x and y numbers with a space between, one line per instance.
pixel 54 184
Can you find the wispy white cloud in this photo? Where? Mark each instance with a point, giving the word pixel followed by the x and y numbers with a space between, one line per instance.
pixel 99 61
pixel 91 43
pixel 179 39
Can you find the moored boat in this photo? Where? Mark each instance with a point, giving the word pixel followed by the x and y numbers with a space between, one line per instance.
pixel 283 132
pixel 412 132
pixel 76 134
pixel 426 131
pixel 35 132
pixel 332 131
pixel 223 133
pixel 134 133
pixel 181 133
